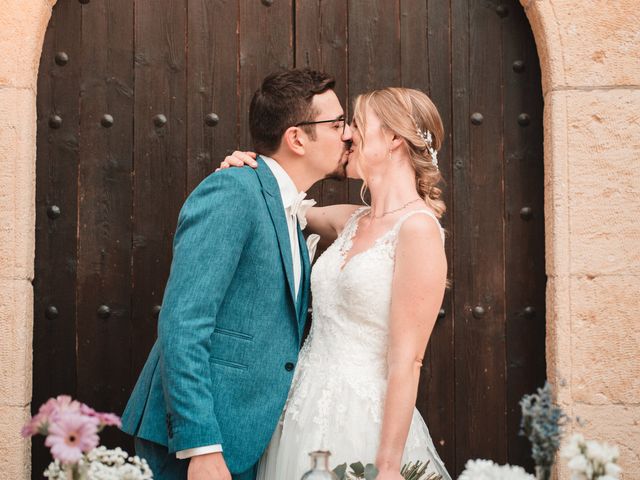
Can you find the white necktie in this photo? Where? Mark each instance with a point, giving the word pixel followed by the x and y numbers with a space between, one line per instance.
pixel 299 208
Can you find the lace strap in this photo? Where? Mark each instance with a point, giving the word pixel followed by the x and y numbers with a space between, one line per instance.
pixel 349 230
pixel 396 228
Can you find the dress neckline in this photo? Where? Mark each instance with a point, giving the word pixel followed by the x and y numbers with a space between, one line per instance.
pixel 350 233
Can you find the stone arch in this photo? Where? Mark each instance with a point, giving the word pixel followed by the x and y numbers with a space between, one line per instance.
pixel 22 29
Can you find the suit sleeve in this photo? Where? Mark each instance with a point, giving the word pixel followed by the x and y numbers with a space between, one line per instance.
pixel 213 226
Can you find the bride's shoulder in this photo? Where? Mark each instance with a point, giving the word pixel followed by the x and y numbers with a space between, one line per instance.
pixel 420 228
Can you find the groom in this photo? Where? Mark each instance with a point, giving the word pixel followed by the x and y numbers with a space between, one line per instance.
pixel 215 383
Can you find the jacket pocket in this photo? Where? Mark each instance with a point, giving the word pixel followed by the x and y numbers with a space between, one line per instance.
pixel 233 333
pixel 228 363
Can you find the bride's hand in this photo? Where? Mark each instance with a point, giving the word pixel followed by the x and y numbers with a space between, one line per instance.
pixel 389 475
pixel 239 159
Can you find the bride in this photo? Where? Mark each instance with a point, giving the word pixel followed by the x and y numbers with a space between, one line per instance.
pixel 377 291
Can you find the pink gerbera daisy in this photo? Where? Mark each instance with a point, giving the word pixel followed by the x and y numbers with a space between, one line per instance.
pixel 71 435
pixel 38 424
pixel 109 419
pixel 60 404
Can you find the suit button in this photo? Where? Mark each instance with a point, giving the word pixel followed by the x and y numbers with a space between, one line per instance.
pixel 288 366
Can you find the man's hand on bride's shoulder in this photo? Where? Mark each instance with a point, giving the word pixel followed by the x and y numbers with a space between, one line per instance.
pixel 210 466
pixel 239 159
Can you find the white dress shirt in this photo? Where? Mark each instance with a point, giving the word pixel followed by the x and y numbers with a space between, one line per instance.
pixel 289 193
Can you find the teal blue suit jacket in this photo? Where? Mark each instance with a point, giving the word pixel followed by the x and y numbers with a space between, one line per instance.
pixel 229 331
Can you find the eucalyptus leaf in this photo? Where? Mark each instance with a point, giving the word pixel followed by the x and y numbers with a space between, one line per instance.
pixel 341 471
pixel 358 469
pixel 370 472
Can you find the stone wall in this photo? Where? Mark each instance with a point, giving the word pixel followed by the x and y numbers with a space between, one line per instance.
pixel 589 51
pixel 590 55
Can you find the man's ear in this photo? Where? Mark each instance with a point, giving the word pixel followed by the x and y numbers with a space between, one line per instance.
pixel 294 138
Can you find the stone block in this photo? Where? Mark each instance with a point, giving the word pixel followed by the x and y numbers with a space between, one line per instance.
pixel 547 34
pixel 605 339
pixel 558 339
pixel 15 458
pixel 556 185
pixel 586 43
pixel 22 27
pixel 604 181
pixel 600 42
pixel 614 424
pixel 17 176
pixel 16 325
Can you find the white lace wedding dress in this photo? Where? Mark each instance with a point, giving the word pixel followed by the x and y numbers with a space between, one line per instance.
pixel 337 396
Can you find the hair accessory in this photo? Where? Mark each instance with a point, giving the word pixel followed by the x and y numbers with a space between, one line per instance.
pixel 428 139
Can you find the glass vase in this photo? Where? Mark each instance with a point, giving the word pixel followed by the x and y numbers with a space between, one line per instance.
pixel 319 467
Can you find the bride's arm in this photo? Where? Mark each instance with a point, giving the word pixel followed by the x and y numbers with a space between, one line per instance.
pixel 417 292
pixel 329 221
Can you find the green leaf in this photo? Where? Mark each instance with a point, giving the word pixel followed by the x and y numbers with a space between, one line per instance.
pixel 370 472
pixel 341 471
pixel 358 469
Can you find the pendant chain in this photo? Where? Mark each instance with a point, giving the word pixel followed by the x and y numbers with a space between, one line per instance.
pixel 395 210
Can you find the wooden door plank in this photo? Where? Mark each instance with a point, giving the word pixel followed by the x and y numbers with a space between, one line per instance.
pixel 159 159
pixel 374 54
pixel 321 44
pixel 54 335
pixel 212 85
pixel 426 57
pixel 479 234
pixel 524 275
pixel 266 46
pixel 104 211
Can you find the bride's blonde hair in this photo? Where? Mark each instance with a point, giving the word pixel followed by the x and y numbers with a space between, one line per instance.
pixel 406 113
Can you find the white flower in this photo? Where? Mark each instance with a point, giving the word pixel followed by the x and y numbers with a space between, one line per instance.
pixel 591 460
pixel 612 470
pixel 572 447
pixel 579 476
pixel 579 463
pixel 596 453
pixel 103 464
pixel 487 470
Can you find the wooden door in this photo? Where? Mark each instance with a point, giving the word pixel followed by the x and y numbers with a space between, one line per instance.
pixel 138 100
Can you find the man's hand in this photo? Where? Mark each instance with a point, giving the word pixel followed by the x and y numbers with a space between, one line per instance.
pixel 239 159
pixel 210 466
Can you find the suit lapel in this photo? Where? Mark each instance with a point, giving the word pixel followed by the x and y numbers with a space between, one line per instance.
pixel 276 210
pixel 304 285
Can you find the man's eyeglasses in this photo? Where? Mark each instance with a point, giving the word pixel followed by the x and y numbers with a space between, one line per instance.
pixel 341 121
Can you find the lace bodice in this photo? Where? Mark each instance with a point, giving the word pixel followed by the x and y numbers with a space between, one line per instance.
pixel 351 303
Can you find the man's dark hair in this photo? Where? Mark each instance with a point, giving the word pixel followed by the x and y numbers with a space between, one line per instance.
pixel 283 100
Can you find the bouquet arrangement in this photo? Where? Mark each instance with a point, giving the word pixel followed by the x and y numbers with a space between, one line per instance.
pixel 71 429
pixel 590 460
pixel 410 471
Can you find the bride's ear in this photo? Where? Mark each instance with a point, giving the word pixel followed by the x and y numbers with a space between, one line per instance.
pixel 396 142
pixel 294 139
